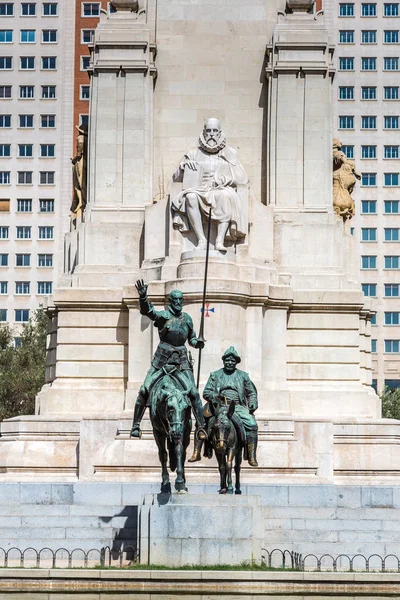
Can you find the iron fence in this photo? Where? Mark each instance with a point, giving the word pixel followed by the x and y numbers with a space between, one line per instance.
pixel 287 559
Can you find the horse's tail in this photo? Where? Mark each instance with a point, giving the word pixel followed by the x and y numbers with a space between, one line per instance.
pixel 172 455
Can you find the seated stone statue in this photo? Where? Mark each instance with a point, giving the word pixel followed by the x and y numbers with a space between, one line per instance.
pixel 230 384
pixel 210 174
pixel 344 179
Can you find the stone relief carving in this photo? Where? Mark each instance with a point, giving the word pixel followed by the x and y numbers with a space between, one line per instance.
pixel 344 179
pixel 79 173
pixel 211 174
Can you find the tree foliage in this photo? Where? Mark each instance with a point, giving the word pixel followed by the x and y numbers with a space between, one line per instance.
pixel 22 366
pixel 391 403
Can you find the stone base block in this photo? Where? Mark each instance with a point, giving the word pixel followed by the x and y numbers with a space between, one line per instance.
pixel 177 530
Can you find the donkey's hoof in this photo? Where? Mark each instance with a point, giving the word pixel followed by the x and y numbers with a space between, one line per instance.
pixel 238 492
pixel 184 491
pixel 222 491
pixel 230 491
pixel 166 488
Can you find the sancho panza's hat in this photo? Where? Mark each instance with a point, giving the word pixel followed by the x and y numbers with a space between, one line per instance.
pixel 231 352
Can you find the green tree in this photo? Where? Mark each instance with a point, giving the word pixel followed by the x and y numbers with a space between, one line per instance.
pixel 391 403
pixel 22 366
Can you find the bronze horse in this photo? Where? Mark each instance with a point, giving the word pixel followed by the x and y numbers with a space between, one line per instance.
pixel 224 439
pixel 170 415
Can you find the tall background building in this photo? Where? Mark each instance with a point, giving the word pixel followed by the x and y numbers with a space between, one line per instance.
pixel 366 113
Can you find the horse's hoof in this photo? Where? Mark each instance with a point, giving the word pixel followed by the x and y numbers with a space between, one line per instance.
pixel 230 491
pixel 184 491
pixel 166 488
pixel 222 491
pixel 238 492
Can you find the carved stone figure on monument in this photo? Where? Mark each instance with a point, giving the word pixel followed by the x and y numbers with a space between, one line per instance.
pixel 79 173
pixel 211 174
pixel 344 179
pixel 230 384
pixel 175 328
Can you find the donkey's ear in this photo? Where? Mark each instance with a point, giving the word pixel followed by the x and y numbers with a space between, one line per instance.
pixel 231 410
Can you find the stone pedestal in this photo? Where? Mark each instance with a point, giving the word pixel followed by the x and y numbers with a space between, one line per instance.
pixel 178 529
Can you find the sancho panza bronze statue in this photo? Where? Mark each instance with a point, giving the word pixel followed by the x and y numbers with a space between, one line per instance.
pixel 230 384
pixel 175 328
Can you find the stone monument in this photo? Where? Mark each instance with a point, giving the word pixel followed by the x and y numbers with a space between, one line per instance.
pixel 282 279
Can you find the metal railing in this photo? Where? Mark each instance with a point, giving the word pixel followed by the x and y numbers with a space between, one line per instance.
pixel 287 559
pixel 63 558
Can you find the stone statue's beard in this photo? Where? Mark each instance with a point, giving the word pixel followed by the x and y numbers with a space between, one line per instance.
pixel 212 149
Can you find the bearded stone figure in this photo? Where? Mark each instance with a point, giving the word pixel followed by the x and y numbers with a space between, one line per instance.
pixel 211 174
pixel 344 179
pixel 79 173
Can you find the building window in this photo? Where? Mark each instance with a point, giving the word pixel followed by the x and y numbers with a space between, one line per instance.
pixel 391 36
pixel 391 122
pixel 5 91
pixel 392 384
pixel 21 315
pixel 46 232
pixel 373 346
pixel 391 9
pixel 391 290
pixel 85 61
pixel 84 120
pixel 48 91
pixel 5 150
pixel 24 205
pixel 45 260
pixel 368 64
pixel 45 288
pixel 368 179
pixel 27 36
pixel 48 121
pixel 346 37
pixel 47 150
pixel 5 177
pixel 87 36
pixel 3 287
pixel 91 9
pixel 28 9
pixel 391 207
pixel 49 62
pixel 368 93
pixel 391 262
pixel 5 205
pixel 346 63
pixel 391 179
pixel 85 92
pixel 25 121
pixel 368 262
pixel 4 232
pixel 49 36
pixel 6 36
pixel 46 206
pixel 368 234
pixel 3 260
pixel 5 121
pixel 368 37
pixel 346 9
pixel 391 234
pixel 368 122
pixel 7 9
pixel 25 177
pixel 26 92
pixel 346 122
pixel 348 151
pixel 25 150
pixel 27 63
pixel 368 151
pixel 391 92
pixel 22 260
pixel 5 63
pixel 49 9
pixel 369 289
pixel 47 178
pixel 392 346
pixel 346 93
pixel 3 315
pixel 24 232
pixel 390 63
pixel 392 318
pixel 368 10
pixel 22 288
pixel 368 207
